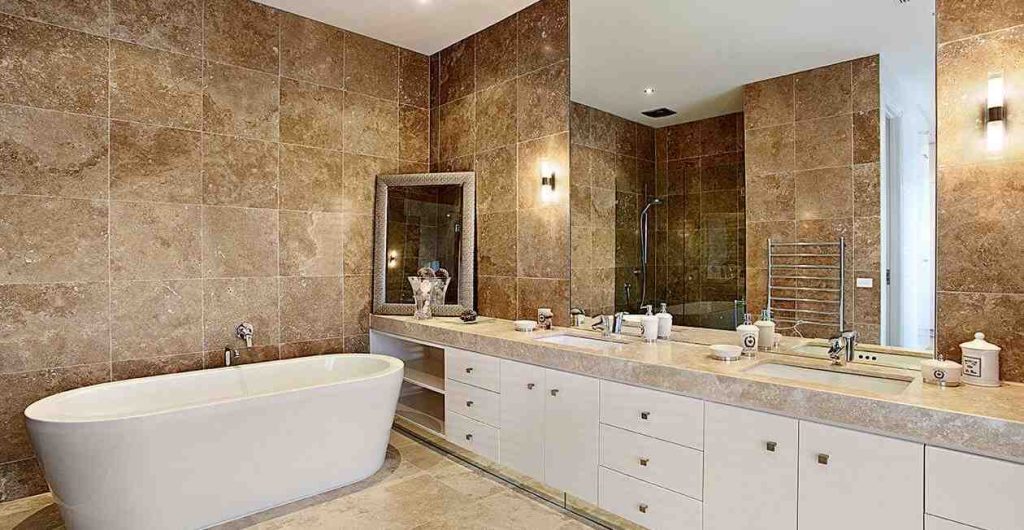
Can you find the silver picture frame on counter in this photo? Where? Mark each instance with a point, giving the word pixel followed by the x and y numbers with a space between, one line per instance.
pixel 463 234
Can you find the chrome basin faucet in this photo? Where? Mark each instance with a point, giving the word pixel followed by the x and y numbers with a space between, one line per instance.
pixel 842 348
pixel 609 324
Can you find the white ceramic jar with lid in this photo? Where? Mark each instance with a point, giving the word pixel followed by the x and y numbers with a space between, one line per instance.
pixel 980 360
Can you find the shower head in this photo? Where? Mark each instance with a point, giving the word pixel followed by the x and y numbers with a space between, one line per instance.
pixel 653 201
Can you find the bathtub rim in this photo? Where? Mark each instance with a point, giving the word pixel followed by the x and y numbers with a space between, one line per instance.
pixel 394 364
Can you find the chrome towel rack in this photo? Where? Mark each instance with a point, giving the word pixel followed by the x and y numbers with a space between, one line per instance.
pixel 798 262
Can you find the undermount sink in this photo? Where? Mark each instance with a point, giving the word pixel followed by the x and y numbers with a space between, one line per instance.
pixel 580 342
pixel 880 385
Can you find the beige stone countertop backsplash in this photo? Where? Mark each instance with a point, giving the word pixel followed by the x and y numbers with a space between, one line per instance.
pixel 987 421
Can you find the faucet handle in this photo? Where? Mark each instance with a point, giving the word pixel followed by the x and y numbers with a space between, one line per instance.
pixel 244 331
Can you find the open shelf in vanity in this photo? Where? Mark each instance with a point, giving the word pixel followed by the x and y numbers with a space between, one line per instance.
pixel 423 384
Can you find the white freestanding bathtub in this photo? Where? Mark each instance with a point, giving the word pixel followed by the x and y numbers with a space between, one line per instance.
pixel 193 449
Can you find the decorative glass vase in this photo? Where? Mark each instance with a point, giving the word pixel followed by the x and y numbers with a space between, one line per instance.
pixel 424 293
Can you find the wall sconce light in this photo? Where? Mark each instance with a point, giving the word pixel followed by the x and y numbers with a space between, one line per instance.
pixel 547 182
pixel 995 122
pixel 393 259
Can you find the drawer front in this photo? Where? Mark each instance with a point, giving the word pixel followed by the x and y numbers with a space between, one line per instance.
pixel 669 417
pixel 647 504
pixel 522 418
pixel 473 435
pixel 665 464
pixel 472 402
pixel 472 368
pixel 974 490
pixel 936 523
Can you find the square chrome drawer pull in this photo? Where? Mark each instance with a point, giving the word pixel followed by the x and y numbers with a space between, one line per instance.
pixel 770 446
pixel 469 369
pixel 469 436
pixel 469 403
pixel 529 386
pixel 645 415
pixel 823 459
pixel 645 461
pixel 643 508
pixel 554 391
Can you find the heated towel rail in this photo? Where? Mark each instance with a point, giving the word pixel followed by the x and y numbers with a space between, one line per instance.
pixel 813 273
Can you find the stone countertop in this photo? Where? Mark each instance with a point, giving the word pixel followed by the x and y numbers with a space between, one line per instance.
pixel 986 421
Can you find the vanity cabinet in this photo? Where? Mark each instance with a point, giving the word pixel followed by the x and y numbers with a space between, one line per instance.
pixel 522 414
pixel 974 490
pixel 750 469
pixel 572 414
pixel 850 480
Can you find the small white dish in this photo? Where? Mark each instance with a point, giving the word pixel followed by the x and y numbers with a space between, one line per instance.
pixel 525 325
pixel 725 352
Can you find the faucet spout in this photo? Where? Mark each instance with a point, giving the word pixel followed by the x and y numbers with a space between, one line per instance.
pixel 229 355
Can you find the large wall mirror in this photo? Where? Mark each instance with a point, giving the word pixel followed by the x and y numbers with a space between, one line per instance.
pixel 424 221
pixel 701 131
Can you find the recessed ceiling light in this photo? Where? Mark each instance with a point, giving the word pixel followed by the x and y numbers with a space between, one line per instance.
pixel 649 90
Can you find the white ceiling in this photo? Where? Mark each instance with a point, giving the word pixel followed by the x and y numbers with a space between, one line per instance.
pixel 426 26
pixel 698 54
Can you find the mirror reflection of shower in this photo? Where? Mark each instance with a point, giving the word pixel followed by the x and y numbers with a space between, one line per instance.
pixel 645 237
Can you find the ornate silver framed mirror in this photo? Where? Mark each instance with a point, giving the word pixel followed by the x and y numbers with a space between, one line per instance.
pixel 424 220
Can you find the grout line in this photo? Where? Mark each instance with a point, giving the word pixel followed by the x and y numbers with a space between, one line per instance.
pixel 110 170
pixel 202 180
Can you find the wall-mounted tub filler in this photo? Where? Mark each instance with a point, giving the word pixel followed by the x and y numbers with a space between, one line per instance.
pixel 244 331
pixel 230 355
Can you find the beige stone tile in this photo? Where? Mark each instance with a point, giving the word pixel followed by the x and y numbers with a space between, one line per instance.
pixel 357 304
pixel 53 240
pixel 645 140
pixel 496 53
pixel 866 85
pixel 311 243
pixel 311 308
pixel 312 115
pixel 173 25
pixel 866 193
pixel 371 67
pixel 370 126
pixel 257 354
pixel 580 206
pixel 312 179
pixel 414 79
pixel 542 101
pixel 155 318
pixel 543 34
pixel 52 153
pixel 456 72
pixel 534 293
pixel 169 364
pixel 89 16
pixel 721 134
pixel 240 102
pixel 239 242
pixel 312 51
pixel 154 241
pixel 867 135
pixel 504 510
pixel 997 315
pixel 239 172
pixel 470 482
pixel 496 244
pixel 757 239
pixel 149 163
pixel 358 230
pixel 957 19
pixel 496 117
pixel 770 150
pixel 681 141
pixel 825 142
pixel 867 243
pixel 719 172
pixel 769 103
pixel 291 350
pixel 414 133
pixel 823 92
pixel 24 388
pixel 496 297
pixel 51 67
pixel 357 343
pixel 543 243
pixel 770 198
pixel 228 302
pixel 37 507
pixel 457 123
pixel 53 325
pixel 359 181
pixel 155 87
pixel 823 193
pixel 241 33
pixel 551 152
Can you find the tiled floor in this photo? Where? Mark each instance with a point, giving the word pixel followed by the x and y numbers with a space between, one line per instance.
pixel 417 488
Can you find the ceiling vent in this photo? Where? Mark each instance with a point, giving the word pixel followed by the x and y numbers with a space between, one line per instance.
pixel 658 113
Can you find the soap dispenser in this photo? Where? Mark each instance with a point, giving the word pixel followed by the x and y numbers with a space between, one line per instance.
pixel 748 336
pixel 765 330
pixel 664 322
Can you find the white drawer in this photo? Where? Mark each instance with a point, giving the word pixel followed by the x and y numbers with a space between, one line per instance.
pixel 974 490
pixel 935 523
pixel 473 435
pixel 472 368
pixel 671 466
pixel 477 403
pixel 647 504
pixel 665 416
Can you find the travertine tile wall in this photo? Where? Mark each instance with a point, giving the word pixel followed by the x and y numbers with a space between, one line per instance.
pixel 171 169
pixel 700 229
pixel 812 173
pixel 613 176
pixel 500 107
pixel 979 215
